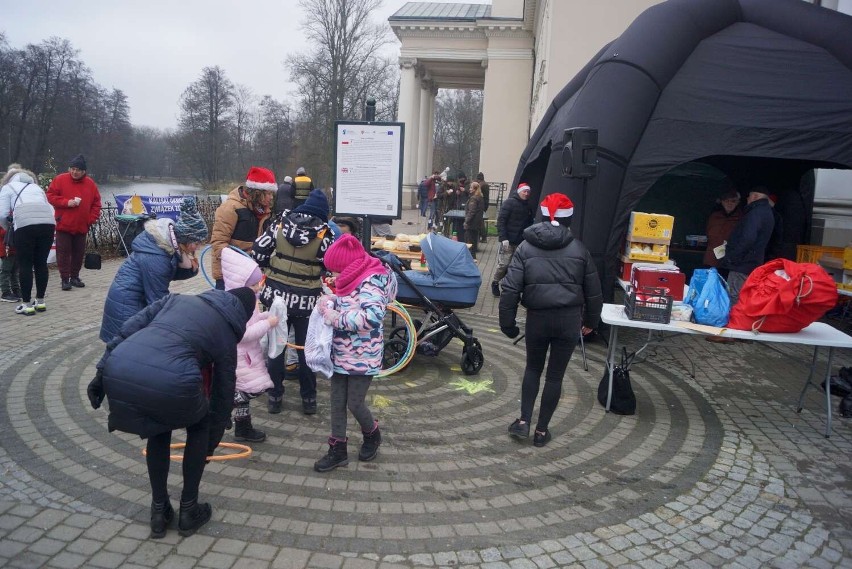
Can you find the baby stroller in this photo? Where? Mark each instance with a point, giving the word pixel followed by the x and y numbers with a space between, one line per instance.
pixel 452 281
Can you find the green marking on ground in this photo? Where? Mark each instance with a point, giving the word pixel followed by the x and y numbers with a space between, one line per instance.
pixel 473 387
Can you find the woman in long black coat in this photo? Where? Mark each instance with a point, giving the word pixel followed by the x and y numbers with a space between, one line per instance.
pixel 153 374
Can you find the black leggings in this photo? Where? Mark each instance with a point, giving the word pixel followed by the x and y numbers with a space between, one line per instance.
pixel 194 459
pixel 559 331
pixel 32 244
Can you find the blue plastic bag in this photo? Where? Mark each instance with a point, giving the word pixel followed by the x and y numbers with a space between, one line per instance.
pixel 708 296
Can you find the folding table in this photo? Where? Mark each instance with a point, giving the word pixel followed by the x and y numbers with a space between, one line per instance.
pixel 819 335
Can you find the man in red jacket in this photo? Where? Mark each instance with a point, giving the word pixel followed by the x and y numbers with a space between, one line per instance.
pixel 77 202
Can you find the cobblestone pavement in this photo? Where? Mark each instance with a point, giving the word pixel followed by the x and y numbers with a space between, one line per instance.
pixel 711 472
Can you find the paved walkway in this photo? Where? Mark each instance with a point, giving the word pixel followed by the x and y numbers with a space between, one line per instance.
pixel 716 471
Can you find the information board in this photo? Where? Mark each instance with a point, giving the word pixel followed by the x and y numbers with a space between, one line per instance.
pixel 368 169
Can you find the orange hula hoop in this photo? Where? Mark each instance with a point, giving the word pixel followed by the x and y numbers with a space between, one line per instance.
pixel 245 452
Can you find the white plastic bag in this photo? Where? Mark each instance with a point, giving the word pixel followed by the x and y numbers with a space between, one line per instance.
pixel 277 336
pixel 318 345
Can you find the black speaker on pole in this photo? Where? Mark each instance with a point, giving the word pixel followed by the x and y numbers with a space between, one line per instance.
pixel 580 153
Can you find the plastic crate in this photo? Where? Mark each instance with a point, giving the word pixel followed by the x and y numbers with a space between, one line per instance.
pixel 648 304
pixel 813 253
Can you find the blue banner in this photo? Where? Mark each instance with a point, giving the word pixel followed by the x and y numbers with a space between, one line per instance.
pixel 163 206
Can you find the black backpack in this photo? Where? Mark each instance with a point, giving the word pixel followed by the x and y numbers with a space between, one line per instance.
pixel 623 399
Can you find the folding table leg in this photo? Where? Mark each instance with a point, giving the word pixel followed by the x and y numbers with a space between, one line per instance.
pixel 610 362
pixel 828 393
pixel 808 382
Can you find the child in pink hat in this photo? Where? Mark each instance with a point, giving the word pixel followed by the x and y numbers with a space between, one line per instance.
pixel 363 290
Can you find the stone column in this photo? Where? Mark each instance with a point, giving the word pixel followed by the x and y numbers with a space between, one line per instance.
pixel 409 113
pixel 430 152
pixel 423 160
pixel 508 79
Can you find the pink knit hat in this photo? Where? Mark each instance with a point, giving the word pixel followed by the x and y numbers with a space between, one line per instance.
pixel 348 257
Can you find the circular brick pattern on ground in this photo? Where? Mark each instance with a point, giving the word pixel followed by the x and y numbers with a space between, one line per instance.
pixel 447 478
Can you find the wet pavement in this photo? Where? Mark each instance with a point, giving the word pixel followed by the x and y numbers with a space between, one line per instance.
pixel 716 471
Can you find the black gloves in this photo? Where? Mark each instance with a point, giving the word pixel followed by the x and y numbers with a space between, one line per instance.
pixel 510 331
pixel 95 391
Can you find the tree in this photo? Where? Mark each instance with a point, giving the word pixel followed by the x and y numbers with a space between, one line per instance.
pixel 338 75
pixel 206 120
pixel 458 130
pixel 274 137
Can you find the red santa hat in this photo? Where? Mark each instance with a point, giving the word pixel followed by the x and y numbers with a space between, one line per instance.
pixel 260 179
pixel 557 205
pixel 524 187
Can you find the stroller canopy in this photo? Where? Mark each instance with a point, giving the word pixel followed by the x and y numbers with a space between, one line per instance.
pixel 450 263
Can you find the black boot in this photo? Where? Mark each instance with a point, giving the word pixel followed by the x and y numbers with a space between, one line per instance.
pixel 337 455
pixel 192 516
pixel 244 431
pixel 370 446
pixel 162 515
pixel 495 288
pixel 66 284
pixel 845 408
pixel 274 404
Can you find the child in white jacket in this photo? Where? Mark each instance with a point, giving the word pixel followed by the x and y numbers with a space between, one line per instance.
pixel 238 270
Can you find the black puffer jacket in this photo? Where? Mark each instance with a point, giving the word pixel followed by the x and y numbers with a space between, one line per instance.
pixel 152 369
pixel 514 217
pixel 746 248
pixel 551 269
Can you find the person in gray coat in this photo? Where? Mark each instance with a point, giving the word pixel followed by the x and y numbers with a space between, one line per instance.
pixel 552 274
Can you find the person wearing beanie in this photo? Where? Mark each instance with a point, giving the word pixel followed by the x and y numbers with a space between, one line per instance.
pixel 242 217
pixel 363 288
pixel 190 226
pixel 284 197
pixel 513 218
pixel 724 217
pixel 552 274
pixel 157 257
pixel 473 213
pixel 239 270
pixel 290 252
pixel 302 186
pixel 77 203
pixel 172 366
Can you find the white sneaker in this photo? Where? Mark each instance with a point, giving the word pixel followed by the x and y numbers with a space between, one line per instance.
pixel 39 305
pixel 27 309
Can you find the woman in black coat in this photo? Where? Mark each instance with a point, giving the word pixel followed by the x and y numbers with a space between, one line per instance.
pixel 154 373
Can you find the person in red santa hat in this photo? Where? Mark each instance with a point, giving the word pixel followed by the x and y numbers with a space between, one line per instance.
pixel 552 274
pixel 242 217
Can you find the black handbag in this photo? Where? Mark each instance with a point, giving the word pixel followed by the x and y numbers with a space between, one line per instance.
pixel 623 399
pixel 92 260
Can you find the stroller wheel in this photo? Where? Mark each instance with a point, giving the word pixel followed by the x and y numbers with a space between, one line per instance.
pixel 393 353
pixel 472 358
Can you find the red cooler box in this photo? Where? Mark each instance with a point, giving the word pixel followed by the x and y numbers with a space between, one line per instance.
pixel 672 281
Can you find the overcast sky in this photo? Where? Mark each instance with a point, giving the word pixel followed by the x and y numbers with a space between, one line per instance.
pixel 153 49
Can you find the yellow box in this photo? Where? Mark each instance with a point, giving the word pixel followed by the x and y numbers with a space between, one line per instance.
pixel 644 251
pixel 650 226
pixel 847 258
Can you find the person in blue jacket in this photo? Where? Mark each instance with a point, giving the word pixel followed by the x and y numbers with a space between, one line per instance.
pixel 173 366
pixel 163 253
pixel 746 247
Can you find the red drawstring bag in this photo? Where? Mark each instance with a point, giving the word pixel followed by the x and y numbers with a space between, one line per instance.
pixel 783 296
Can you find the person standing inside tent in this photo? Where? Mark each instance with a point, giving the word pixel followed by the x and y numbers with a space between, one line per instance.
pixel 553 275
pixel 77 202
pixel 746 248
pixel 721 223
pixel 242 217
pixel 514 217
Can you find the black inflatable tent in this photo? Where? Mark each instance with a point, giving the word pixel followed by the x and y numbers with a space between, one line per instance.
pixel 756 88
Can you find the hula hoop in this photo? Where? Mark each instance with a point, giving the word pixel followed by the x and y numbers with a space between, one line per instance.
pixel 245 452
pixel 204 251
pixel 400 311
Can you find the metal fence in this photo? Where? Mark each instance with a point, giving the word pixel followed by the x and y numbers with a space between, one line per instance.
pixel 107 230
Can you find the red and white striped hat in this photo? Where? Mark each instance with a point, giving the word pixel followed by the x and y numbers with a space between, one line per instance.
pixel 557 205
pixel 260 179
